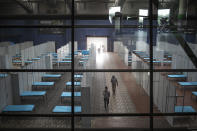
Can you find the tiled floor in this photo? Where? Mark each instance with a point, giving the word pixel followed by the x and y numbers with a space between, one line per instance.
pixel 129 98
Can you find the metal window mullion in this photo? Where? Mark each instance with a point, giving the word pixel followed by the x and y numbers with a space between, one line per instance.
pixel 100 114
pixel 151 61
pixel 72 64
pixel 98 70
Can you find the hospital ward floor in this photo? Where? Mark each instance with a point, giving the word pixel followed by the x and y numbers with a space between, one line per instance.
pixel 129 98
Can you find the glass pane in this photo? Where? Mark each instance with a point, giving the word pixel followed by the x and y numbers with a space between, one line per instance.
pixel 112 32
pixel 33 49
pixel 174 92
pixel 176 35
pixel 125 93
pixel 34 93
pixel 23 7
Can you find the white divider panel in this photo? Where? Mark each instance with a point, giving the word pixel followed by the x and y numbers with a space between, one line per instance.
pixel 116 46
pixel 26 44
pixel 4 63
pixel 5 43
pixel 27 78
pixel 142 46
pixel 126 53
pixel 5 92
pixel 162 88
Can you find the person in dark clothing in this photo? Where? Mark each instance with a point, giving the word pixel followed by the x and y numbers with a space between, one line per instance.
pixel 106 95
pixel 114 82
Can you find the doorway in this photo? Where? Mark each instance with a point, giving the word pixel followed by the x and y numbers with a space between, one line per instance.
pixel 99 42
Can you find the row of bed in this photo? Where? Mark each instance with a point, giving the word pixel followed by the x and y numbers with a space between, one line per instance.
pixel 180 78
pixel 43 94
pixel 39 89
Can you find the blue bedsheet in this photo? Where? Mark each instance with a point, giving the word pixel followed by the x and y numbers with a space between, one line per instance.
pixel 66 109
pixel 43 83
pixel 3 75
pixel 62 62
pixel 75 83
pixel 52 75
pixel 184 109
pixel 177 76
pixel 78 76
pixel 188 83
pixel 16 61
pixel 33 93
pixel 35 58
pixel 85 52
pixel 194 93
pixel 84 59
pixel 29 61
pixel 18 108
pixel 68 94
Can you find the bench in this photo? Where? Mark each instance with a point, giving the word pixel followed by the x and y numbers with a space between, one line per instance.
pixel 38 85
pixel 28 62
pixel 62 62
pixel 78 77
pixel 159 62
pixel 19 108
pixel 81 63
pixel 85 52
pixel 3 75
pixel 179 109
pixel 67 96
pixel 51 77
pixel 177 77
pixel 16 61
pixel 77 85
pixel 66 109
pixel 188 84
pixel 33 94
pixel 35 58
pixel 194 93
pixel 84 58
pixel 66 59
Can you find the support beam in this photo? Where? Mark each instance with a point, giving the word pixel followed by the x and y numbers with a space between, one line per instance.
pixel 69 4
pixel 25 7
pixel 120 2
pixel 186 48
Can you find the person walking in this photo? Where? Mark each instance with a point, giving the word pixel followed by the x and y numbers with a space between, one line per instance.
pixel 114 82
pixel 106 95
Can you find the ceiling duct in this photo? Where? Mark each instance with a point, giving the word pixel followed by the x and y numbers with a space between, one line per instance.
pixel 120 3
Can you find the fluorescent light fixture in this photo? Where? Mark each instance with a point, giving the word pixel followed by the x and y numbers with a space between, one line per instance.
pixel 112 11
pixel 143 12
pixel 163 12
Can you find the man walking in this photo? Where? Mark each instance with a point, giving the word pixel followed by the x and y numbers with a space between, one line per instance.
pixel 114 82
pixel 106 95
